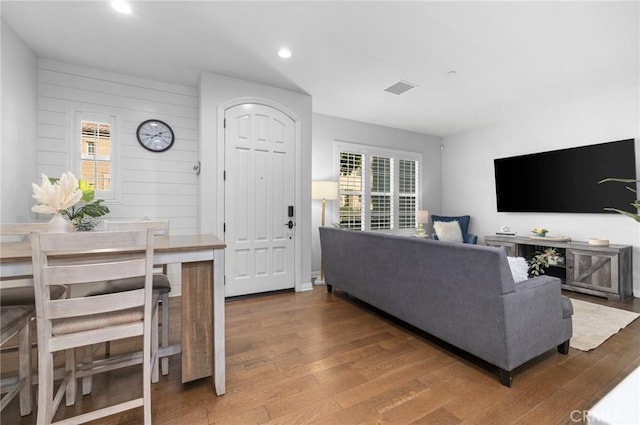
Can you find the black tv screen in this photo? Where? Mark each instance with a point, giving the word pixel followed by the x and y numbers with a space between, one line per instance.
pixel 566 180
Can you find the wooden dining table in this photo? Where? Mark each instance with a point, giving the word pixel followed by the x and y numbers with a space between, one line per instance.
pixel 201 258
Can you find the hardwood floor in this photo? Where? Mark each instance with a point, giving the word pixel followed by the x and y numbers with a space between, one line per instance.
pixel 319 358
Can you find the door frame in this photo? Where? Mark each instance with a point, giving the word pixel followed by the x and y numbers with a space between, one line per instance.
pixel 220 149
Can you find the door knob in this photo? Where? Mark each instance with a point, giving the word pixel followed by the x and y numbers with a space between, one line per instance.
pixel 290 224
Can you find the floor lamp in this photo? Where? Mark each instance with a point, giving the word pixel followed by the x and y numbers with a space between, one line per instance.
pixel 325 191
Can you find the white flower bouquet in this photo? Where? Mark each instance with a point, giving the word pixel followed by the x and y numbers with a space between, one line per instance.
pixel 55 197
pixel 69 197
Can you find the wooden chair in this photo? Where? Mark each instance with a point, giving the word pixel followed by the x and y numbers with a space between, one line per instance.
pixel 77 258
pixel 161 283
pixel 16 321
pixel 20 292
pixel 17 305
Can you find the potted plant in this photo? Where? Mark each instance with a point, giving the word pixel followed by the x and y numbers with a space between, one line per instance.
pixel 540 262
pixel 540 232
pixel 636 204
pixel 84 215
pixel 67 196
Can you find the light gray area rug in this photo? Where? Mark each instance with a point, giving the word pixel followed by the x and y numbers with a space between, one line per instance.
pixel 593 324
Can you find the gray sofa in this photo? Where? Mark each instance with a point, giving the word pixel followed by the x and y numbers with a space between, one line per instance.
pixel 462 294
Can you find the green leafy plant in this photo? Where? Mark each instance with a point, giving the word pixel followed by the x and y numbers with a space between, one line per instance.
pixel 83 215
pixel 539 263
pixel 635 204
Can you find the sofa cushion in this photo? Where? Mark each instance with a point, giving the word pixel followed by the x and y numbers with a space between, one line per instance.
pixel 519 268
pixel 448 231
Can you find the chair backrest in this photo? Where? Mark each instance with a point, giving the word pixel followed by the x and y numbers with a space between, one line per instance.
pixel 84 257
pixel 19 231
pixel 160 227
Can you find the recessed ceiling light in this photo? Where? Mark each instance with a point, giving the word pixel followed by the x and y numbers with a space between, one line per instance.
pixel 284 53
pixel 121 6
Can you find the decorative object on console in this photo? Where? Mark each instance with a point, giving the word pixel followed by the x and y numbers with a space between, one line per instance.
pixel 463 220
pixel 540 232
pixel 325 191
pixel 422 218
pixel 598 242
pixel 505 231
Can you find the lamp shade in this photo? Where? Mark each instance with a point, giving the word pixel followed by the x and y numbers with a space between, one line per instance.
pixel 324 190
pixel 422 216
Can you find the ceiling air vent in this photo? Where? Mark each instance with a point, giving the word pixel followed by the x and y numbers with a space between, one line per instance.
pixel 400 87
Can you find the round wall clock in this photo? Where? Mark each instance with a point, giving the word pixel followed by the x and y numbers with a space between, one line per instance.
pixel 155 135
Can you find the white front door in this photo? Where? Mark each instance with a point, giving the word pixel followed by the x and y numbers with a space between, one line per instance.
pixel 259 199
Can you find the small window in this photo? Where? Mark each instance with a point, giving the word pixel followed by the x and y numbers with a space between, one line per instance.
pixel 91 148
pixel 96 160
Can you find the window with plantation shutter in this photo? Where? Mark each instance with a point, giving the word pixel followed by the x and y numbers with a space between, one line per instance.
pixel 407 194
pixel 384 180
pixel 381 193
pixel 95 152
pixel 351 191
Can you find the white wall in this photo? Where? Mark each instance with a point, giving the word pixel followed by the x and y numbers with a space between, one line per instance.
pixel 468 181
pixel 18 136
pixel 327 129
pixel 156 185
pixel 218 92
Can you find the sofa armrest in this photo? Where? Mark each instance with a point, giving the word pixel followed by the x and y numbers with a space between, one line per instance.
pixel 534 319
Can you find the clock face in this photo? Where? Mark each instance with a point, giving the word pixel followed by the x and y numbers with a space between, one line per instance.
pixel 155 135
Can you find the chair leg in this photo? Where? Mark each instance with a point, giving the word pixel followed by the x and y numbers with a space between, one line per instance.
pixel 155 360
pixel 165 332
pixel 87 381
pixel 147 352
pixel 24 371
pixel 72 385
pixel 45 387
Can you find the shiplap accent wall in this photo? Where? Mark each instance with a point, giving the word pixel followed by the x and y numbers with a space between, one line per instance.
pixel 155 185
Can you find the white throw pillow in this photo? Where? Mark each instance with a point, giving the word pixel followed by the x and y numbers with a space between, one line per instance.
pixel 519 268
pixel 448 231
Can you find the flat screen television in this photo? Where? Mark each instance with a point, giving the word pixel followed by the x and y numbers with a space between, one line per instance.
pixel 566 180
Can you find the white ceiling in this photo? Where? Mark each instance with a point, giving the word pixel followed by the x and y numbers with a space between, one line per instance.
pixel 507 55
